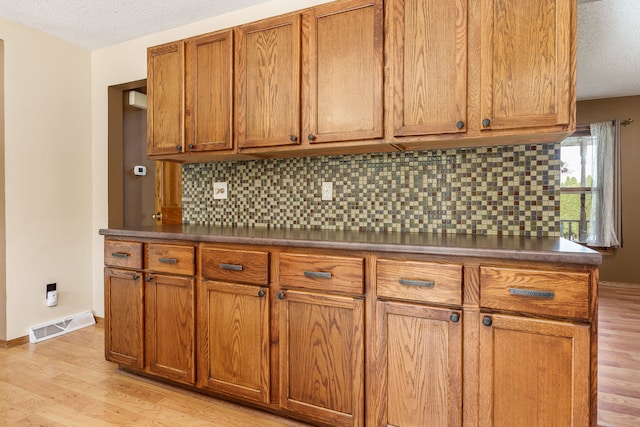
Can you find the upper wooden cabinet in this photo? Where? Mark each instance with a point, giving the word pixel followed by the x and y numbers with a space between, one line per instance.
pixel 526 63
pixel 165 99
pixel 428 66
pixel 268 82
pixel 209 92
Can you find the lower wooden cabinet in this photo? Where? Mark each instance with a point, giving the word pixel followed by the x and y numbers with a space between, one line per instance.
pixel 322 357
pixel 419 365
pixel 170 327
pixel 233 336
pixel 124 317
pixel 533 372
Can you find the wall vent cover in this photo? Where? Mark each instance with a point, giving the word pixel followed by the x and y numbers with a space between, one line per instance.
pixel 58 327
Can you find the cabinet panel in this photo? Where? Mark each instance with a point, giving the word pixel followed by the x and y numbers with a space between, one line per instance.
pixel 234 340
pixel 428 66
pixel 235 265
pixel 173 259
pixel 124 317
pixel 165 99
pixel 420 365
pixel 268 82
pixel 342 72
pixel 526 59
pixel 209 92
pixel 534 373
pixel 322 357
pixel 170 324
pixel 322 272
pixel 123 254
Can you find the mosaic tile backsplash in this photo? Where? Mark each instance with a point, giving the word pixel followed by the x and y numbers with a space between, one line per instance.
pixel 512 190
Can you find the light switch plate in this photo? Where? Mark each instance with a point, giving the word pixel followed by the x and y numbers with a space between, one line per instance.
pixel 220 190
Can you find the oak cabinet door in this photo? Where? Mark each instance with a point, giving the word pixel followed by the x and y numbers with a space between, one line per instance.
pixel 533 372
pixel 268 82
pixel 322 357
pixel 209 92
pixel 234 339
pixel 420 365
pixel 170 324
pixel 526 61
pixel 428 62
pixel 342 72
pixel 165 99
pixel 124 317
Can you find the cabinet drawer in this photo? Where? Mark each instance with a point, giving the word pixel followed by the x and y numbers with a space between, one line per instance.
pixel 551 293
pixel 235 266
pixel 174 259
pixel 123 254
pixel 322 272
pixel 420 281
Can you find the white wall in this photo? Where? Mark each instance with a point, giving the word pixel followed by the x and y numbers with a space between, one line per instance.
pixel 124 63
pixel 48 176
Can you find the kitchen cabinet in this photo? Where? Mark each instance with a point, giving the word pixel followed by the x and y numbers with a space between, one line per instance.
pixel 234 323
pixel 165 99
pixel 170 312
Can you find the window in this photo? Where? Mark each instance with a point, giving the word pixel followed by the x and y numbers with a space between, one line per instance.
pixel 589 186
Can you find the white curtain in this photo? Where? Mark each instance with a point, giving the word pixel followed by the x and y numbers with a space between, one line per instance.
pixel 604 215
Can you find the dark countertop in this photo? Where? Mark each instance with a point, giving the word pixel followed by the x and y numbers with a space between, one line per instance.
pixel 512 248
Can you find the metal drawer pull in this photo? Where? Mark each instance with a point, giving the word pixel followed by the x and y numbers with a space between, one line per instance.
pixel 168 260
pixel 318 274
pixel 529 293
pixel 120 254
pixel 421 283
pixel 233 267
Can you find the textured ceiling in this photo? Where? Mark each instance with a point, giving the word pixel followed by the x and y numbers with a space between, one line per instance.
pixel 608 31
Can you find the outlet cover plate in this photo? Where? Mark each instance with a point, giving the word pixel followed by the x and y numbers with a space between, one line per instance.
pixel 327 191
pixel 220 190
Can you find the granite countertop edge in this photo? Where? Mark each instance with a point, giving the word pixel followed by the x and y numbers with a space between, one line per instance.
pixel 543 249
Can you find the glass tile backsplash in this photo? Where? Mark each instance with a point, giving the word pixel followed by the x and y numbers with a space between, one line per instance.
pixel 510 190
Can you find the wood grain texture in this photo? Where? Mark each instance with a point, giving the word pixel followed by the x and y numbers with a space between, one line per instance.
pixel 532 372
pixel 347 273
pixel 123 254
pixel 254 265
pixel 322 357
pixel 233 336
pixel 168 197
pixel 170 327
pixel 160 257
pixel 421 365
pixel 342 71
pixel 165 99
pixel 446 278
pixel 570 291
pixel 209 92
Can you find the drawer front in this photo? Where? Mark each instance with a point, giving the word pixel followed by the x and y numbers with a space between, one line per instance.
pixel 551 293
pixel 235 266
pixel 420 281
pixel 123 254
pixel 322 272
pixel 173 259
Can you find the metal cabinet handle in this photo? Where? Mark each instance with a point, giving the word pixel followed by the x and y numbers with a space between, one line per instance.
pixel 281 295
pixel 293 138
pixel 190 146
pixel 149 279
pixel 120 254
pixel 233 267
pixel 487 321
pixel 531 293
pixel 455 317
pixel 486 122
pixel 460 124
pixel 168 260
pixel 318 274
pixel 178 147
pixel 135 277
pixel 421 283
pixel 260 293
pixel 311 137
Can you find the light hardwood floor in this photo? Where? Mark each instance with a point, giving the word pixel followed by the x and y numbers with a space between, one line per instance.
pixel 619 355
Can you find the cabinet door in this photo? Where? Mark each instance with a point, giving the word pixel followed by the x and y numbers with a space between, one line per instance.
pixel 322 357
pixel 209 91
pixel 420 365
pixel 526 63
pixel 533 372
pixel 342 73
pixel 268 82
pixel 234 340
pixel 169 310
pixel 428 63
pixel 124 317
pixel 165 99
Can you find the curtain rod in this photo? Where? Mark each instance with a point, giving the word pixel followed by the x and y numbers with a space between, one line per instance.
pixel 622 123
pixel 626 122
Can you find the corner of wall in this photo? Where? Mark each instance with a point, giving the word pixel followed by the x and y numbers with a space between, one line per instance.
pixel 3 240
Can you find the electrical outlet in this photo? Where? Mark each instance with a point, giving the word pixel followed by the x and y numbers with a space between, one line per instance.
pixel 327 191
pixel 220 190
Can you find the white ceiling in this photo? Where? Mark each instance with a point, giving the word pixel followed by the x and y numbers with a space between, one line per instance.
pixel 608 31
